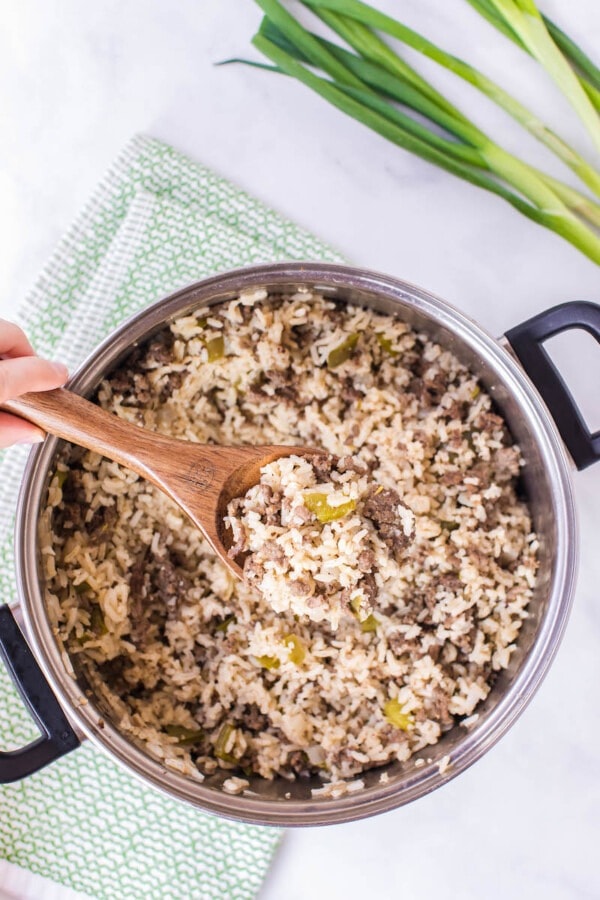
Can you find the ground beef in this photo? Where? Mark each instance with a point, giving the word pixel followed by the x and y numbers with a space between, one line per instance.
pixel 299 764
pixel 369 586
pixel 483 472
pixel 285 382
pixel 160 350
pixel 273 552
pixel 382 508
pixel 169 585
pixel 322 464
pixel 102 523
pixel 436 385
pixel 172 383
pixel 437 707
pixel 366 560
pixel 349 393
pixel 400 644
pixel 450 582
pixel 253 720
pixel 138 601
pixel 350 464
pixel 301 587
pixel 452 478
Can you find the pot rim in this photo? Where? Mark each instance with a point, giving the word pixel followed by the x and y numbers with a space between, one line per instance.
pixel 378 798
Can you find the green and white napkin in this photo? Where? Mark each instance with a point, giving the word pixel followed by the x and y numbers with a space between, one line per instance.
pixel 157 221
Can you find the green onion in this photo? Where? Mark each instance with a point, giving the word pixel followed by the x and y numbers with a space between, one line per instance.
pixel 317 504
pixel 370 83
pixel 359 36
pixel 524 20
pixel 471 148
pixel 587 72
pixel 392 710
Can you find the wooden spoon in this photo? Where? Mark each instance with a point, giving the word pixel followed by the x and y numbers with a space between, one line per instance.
pixel 200 478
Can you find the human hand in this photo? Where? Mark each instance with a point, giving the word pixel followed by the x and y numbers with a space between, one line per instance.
pixel 22 371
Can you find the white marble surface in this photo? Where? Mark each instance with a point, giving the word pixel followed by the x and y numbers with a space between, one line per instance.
pixel 77 81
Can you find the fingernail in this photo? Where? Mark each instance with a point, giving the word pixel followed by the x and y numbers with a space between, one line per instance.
pixel 61 370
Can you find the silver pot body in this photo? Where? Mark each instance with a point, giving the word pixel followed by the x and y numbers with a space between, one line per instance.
pixel 547 479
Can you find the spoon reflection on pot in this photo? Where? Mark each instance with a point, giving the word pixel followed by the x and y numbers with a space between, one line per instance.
pixel 201 478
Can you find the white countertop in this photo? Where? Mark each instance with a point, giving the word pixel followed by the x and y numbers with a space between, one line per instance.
pixel 78 80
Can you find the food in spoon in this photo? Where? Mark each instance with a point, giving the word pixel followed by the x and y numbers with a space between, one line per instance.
pixel 195 665
pixel 320 537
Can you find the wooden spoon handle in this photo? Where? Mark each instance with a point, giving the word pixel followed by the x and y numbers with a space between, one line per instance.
pixel 69 416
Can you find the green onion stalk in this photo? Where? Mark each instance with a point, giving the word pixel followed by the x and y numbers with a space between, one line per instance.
pixel 393 86
pixel 371 18
pixel 364 84
pixel 572 70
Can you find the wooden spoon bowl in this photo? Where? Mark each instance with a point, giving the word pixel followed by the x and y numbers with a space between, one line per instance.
pixel 201 478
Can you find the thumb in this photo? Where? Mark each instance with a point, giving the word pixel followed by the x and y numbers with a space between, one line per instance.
pixel 29 373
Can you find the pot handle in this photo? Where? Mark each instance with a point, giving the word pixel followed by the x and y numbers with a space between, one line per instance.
pixel 57 737
pixel 526 341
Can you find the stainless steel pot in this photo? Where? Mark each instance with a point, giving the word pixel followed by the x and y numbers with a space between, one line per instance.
pixel 58 701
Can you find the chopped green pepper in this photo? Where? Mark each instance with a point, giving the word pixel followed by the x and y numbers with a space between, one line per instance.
pixel 386 345
pixel 185 736
pixel 296 648
pixel 224 625
pixel 97 621
pixel 215 348
pixel 475 392
pixel 222 743
pixel 370 624
pixel 449 526
pixel 343 351
pixel 318 505
pixel 61 477
pixel 392 710
pixel 84 638
pixel 268 662
pixel 355 604
pixel 82 588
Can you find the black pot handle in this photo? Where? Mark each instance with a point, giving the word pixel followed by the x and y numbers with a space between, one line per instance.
pixel 526 340
pixel 57 737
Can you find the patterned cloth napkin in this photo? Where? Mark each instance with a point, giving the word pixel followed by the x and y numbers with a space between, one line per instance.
pixel 157 222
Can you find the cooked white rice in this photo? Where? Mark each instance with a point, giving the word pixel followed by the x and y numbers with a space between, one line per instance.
pixel 198 668
pixel 313 541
